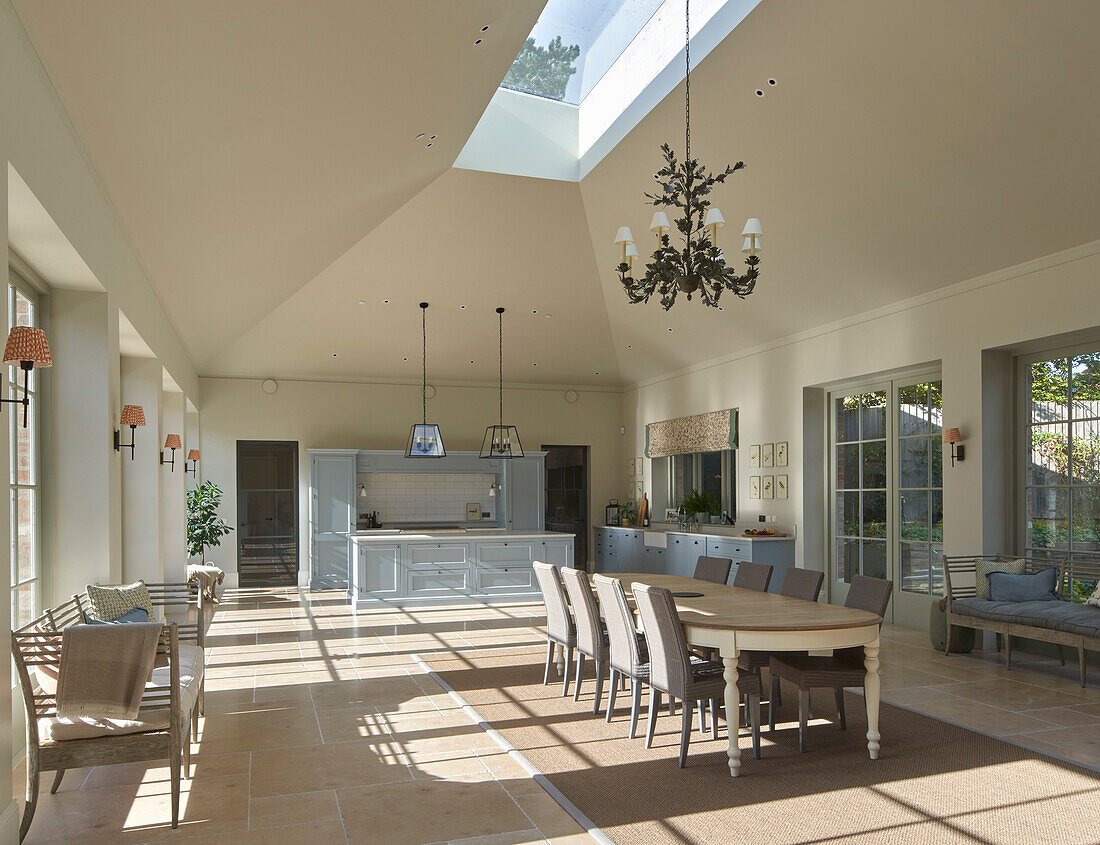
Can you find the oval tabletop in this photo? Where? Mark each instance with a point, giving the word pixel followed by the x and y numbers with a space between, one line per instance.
pixel 723 606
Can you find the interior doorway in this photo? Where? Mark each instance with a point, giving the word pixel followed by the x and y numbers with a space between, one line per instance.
pixel 267 513
pixel 567 496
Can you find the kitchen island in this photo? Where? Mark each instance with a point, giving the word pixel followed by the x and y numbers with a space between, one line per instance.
pixel 473 566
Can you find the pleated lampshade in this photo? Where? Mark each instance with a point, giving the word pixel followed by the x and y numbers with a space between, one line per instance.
pixel 132 415
pixel 172 441
pixel 193 455
pixel 26 343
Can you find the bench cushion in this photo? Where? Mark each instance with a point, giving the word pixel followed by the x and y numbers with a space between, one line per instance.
pixel 1065 616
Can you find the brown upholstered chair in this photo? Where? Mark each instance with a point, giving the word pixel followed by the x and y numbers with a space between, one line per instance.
pixel 753 576
pixel 672 671
pixel 713 569
pixel 592 640
pixel 843 669
pixel 560 629
pixel 629 655
pixel 797 584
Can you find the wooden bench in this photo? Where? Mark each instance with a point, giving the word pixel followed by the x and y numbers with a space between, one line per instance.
pixel 170 707
pixel 1068 623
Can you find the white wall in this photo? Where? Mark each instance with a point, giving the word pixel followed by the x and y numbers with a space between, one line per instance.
pixel 141 470
pixel 173 549
pixel 321 415
pixel 773 387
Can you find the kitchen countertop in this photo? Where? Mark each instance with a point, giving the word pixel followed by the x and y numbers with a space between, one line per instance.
pixel 404 535
pixel 722 532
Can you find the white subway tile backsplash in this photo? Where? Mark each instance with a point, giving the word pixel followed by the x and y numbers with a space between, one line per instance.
pixel 402 497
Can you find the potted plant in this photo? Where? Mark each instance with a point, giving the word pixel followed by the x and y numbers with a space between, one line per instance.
pixel 627 513
pixel 696 505
pixel 204 527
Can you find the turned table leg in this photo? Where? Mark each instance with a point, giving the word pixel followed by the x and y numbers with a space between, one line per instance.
pixel 871 693
pixel 733 712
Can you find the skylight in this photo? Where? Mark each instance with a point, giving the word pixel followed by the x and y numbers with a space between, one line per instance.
pixel 573 45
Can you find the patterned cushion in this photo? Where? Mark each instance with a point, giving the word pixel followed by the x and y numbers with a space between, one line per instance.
pixel 983 567
pixel 110 603
pixel 1094 599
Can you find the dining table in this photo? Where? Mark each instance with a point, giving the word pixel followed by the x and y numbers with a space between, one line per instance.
pixel 732 619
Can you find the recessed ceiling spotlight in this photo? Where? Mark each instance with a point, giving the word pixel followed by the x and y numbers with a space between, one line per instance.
pixel 385 302
pixel 477 42
pixel 471 362
pixel 406 358
pixel 772 83
pixel 433 137
pixel 429 144
pixel 463 307
pixel 421 136
pixel 670 328
pixel 534 365
pixel 720 308
pixel 759 92
pixel 485 28
pixel 628 346
pixel 362 302
pixel 548 316
pixel 335 355
pixel 533 311
pixel 597 372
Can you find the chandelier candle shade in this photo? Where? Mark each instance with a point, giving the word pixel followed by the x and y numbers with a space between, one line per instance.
pixel 28 348
pixel 700 266
pixel 425 438
pixel 193 459
pixel 172 442
pixel 133 416
pixel 501 441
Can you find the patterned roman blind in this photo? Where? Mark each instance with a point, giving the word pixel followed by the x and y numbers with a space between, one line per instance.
pixel 711 432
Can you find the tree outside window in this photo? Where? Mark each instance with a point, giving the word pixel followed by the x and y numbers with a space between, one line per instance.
pixel 543 71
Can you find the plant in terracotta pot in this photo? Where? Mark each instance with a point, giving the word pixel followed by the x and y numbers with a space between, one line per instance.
pixel 628 512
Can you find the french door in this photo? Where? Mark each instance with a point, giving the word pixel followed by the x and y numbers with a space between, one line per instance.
pixel 886 490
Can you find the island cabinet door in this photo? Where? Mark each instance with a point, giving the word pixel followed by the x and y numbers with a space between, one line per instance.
pixel 453 555
pixel 735 550
pixel 380 571
pixel 505 566
pixel 441 581
pixel 557 552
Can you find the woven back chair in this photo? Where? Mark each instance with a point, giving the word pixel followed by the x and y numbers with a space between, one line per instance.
pixel 802 584
pixel 713 569
pixel 629 654
pixel 592 638
pixel 753 576
pixel 560 629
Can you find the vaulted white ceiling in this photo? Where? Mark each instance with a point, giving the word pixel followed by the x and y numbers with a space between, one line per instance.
pixel 266 168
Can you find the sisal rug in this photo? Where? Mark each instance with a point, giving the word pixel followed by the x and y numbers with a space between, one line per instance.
pixel 933 782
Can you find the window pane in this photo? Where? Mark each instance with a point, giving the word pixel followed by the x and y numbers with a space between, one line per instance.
pixel 1085 383
pixel 874 465
pixel 913 410
pixel 25 539
pixel 1048 462
pixel 936 516
pixel 915 567
pixel 711 470
pixel 23 604
pixel 847 559
pixel 914 515
pixel 847 467
pixel 874 514
pixel 1049 388
pixel 1047 518
pixel 935 407
pixel 914 462
pixel 874 415
pixel 874 558
pixel 847 514
pixel 1086 519
pixel 22 458
pixel 847 419
pixel 937 460
pixel 1085 457
pixel 937 569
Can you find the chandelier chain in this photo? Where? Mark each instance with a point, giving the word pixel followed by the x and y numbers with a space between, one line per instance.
pixel 500 359
pixel 424 383
pixel 687 78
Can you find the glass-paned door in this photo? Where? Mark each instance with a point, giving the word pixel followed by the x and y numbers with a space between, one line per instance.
pixel 267 513
pixel 886 491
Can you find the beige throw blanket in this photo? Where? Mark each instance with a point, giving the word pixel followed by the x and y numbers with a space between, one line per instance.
pixel 207 577
pixel 104 669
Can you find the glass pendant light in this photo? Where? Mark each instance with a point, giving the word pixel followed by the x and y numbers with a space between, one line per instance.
pixel 501 441
pixel 425 438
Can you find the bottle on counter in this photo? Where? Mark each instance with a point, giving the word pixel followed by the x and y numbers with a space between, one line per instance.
pixel 643 511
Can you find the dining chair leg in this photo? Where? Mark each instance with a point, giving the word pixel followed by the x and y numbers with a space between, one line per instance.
pixel 601 667
pixel 839 692
pixel 803 716
pixel 753 706
pixel 565 673
pixel 549 662
pixel 577 679
pixel 772 702
pixel 635 705
pixel 611 694
pixel 702 705
pixel 651 720
pixel 685 732
pixel 714 718
pixel 671 706
pixel 778 693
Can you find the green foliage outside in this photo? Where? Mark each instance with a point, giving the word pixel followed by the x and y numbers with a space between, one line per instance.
pixel 697 502
pixel 543 71
pixel 205 528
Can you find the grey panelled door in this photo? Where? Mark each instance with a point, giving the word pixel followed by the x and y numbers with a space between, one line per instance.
pixel 267 513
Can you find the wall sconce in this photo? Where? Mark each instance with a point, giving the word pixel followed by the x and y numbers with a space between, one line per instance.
pixel 362 488
pixel 28 348
pixel 193 457
pixel 953 436
pixel 494 488
pixel 133 416
pixel 173 442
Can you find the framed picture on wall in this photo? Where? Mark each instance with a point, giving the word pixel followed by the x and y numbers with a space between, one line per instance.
pixel 754 456
pixel 639 467
pixel 630 471
pixel 754 487
pixel 767 487
pixel 781 487
pixel 781 454
pixel 767 455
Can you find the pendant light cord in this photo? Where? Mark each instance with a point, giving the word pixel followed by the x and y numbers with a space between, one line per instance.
pixel 424 383
pixel 500 318
pixel 687 78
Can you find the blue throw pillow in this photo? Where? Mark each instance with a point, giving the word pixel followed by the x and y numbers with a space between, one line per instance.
pixel 138 614
pixel 1040 586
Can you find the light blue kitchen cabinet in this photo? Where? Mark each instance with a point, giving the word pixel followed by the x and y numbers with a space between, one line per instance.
pixel 331 516
pixel 630 550
pixel 525 492
pixel 684 553
pixel 557 552
pixel 380 571
pixel 654 560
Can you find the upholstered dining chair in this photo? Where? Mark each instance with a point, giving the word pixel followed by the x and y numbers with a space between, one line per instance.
pixel 713 569
pixel 592 639
pixel 560 629
pixel 753 576
pixel 672 671
pixel 843 669
pixel 629 655
pixel 797 584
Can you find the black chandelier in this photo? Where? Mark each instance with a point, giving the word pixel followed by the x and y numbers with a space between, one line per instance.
pixel 501 441
pixel 425 438
pixel 699 267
